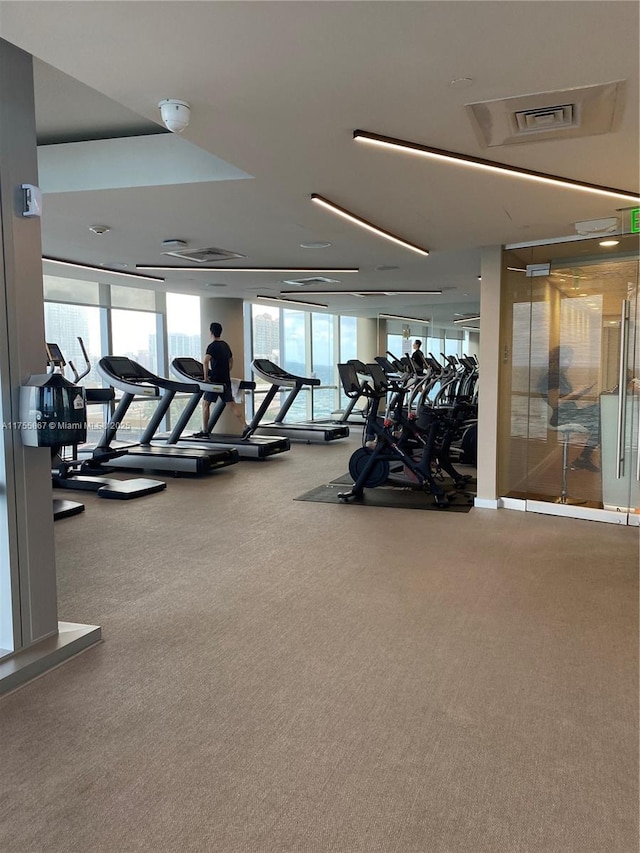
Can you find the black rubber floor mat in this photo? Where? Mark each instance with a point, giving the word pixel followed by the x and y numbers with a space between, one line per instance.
pixel 446 483
pixel 387 497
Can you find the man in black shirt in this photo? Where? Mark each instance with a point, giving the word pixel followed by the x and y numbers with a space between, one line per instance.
pixel 218 361
pixel 417 357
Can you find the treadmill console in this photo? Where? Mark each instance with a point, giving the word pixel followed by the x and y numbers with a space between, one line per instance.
pixel 188 366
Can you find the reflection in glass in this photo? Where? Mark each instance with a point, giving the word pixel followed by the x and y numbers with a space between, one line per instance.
pixel 561 344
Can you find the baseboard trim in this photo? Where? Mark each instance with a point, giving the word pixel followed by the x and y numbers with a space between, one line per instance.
pixel 513 503
pixel 21 667
pixel 486 503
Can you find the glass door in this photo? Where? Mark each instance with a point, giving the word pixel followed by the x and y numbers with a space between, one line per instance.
pixel 570 439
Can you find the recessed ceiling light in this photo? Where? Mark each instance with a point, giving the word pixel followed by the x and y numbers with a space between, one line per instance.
pixel 607 243
pixel 363 223
pixel 462 82
pixel 99 229
pixel 174 243
pixel 317 244
pixel 118 266
pixel 488 165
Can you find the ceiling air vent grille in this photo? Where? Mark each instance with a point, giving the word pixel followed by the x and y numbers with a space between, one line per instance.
pixel 204 256
pixel 309 282
pixel 561 114
pixel 544 119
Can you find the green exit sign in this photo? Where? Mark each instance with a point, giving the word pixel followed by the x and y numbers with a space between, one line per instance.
pixel 634 221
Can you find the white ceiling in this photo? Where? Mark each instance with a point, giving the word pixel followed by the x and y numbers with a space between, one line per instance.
pixel 276 91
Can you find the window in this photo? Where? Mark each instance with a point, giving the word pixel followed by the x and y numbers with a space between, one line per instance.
pixel 395 344
pixel 323 365
pixel 265 330
pixel 134 335
pixel 294 359
pixel 70 290
pixel 184 339
pixel 348 338
pixel 183 326
pixel 348 349
pixel 132 297
pixel 64 324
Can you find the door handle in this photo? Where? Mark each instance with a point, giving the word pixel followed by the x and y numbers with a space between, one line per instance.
pixel 622 388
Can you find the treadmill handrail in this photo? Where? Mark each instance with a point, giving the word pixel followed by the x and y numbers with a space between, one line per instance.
pixel 139 380
pixel 179 367
pixel 210 387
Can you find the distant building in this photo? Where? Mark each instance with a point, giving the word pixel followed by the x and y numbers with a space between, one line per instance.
pixel 266 337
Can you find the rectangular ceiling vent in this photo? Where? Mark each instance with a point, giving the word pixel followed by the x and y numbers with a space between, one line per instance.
pixel 562 114
pixel 204 256
pixel 308 282
pixel 544 119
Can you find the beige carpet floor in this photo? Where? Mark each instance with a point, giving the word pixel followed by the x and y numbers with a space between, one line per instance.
pixel 279 675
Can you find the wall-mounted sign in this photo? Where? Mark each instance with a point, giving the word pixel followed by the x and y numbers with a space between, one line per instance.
pixel 630 220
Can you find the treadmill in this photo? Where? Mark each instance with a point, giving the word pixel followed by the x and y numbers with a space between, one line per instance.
pixel 78 474
pixel 307 431
pixel 135 381
pixel 248 445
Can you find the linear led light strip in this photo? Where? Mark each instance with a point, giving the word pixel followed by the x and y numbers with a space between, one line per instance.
pixel 467 320
pixel 364 292
pixel 401 317
pixel 89 268
pixel 369 226
pixel 293 301
pixel 245 269
pixel 489 165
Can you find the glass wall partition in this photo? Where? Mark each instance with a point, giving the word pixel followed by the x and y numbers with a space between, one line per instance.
pixel 569 419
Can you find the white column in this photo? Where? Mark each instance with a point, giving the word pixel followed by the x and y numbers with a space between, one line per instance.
pixel 381 348
pixel 26 502
pixel 28 610
pixel 230 314
pixel 488 383
pixel 367 339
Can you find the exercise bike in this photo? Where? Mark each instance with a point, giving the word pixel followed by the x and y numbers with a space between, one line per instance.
pixel 387 440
